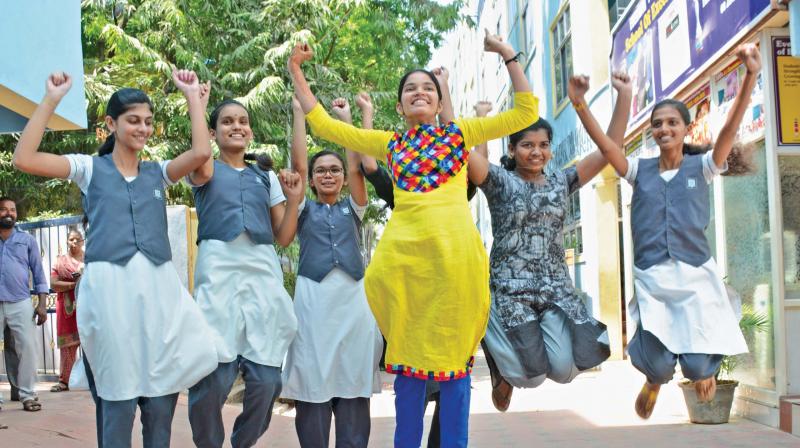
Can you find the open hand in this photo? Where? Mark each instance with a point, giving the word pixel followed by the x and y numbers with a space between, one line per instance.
pixel 577 87
pixel 341 108
pixel 750 57
pixel 57 85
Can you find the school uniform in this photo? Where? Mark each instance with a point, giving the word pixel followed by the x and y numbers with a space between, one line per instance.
pixel 142 335
pixel 676 282
pixel 332 365
pixel 239 288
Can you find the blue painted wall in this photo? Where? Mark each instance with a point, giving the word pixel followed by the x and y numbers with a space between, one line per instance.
pixel 566 121
pixel 39 37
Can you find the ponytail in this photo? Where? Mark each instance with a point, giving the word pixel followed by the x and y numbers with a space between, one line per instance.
pixel 264 161
pixel 108 146
pixel 508 162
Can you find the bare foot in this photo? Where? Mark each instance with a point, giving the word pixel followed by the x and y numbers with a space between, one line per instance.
pixel 646 400
pixel 706 389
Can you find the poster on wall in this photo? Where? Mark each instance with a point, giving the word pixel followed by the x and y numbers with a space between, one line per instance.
pixel 663 43
pixel 699 105
pixel 787 85
pixel 726 86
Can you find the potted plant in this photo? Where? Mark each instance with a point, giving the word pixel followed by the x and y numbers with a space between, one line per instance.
pixel 718 410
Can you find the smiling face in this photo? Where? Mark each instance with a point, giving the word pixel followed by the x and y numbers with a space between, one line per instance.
pixel 327 176
pixel 669 128
pixel 133 127
pixel 419 98
pixel 532 152
pixel 232 131
pixel 8 214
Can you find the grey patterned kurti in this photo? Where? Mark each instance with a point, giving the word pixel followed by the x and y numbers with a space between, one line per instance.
pixel 529 273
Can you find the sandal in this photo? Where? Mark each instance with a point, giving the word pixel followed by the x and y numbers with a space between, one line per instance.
pixel 31 405
pixel 501 395
pixel 60 387
pixel 646 400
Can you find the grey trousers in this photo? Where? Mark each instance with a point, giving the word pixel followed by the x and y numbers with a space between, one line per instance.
pixel 11 361
pixel 114 419
pixel 262 386
pixel 17 319
pixel 313 422
pixel 652 358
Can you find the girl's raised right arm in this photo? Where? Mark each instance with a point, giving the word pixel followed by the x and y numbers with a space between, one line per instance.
pixel 27 157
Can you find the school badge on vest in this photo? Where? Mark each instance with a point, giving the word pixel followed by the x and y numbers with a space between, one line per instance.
pixel 691 183
pixel 346 210
pixel 157 194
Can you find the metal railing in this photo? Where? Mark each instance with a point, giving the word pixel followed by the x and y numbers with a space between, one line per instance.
pixel 51 236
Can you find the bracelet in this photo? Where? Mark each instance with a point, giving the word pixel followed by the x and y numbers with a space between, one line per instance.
pixel 514 59
pixel 579 106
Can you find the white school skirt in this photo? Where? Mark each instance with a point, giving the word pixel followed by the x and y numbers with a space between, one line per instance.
pixel 687 308
pixel 338 344
pixel 141 331
pixel 239 287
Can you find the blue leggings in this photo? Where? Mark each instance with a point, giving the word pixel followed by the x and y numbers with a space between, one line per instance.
pixel 410 401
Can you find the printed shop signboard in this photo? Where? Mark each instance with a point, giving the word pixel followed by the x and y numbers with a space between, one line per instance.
pixel 787 91
pixel 661 44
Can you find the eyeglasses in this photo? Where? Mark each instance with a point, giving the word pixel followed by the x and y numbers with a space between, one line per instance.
pixel 334 171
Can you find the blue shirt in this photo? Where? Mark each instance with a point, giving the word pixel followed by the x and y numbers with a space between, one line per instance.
pixel 19 256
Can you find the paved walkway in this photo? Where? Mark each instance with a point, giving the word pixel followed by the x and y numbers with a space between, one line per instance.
pixel 595 410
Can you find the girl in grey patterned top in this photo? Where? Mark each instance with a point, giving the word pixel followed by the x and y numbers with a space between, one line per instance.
pixel 539 326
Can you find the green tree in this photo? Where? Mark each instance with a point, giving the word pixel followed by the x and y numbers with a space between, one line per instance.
pixel 241 46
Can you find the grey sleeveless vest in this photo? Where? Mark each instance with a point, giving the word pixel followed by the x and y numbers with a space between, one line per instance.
pixel 669 219
pixel 233 202
pixel 126 217
pixel 329 237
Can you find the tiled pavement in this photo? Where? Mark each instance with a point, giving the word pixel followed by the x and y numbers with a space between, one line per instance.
pixel 595 410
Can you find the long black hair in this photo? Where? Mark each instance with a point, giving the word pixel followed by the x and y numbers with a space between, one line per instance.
pixel 740 159
pixel 508 162
pixel 264 161
pixel 120 102
pixel 313 160
pixel 418 70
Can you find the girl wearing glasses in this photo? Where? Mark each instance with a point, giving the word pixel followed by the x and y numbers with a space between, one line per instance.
pixel 332 365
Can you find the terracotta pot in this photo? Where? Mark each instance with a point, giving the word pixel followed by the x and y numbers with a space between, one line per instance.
pixel 711 412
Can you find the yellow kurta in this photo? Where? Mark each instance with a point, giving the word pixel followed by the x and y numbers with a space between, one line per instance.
pixel 428 281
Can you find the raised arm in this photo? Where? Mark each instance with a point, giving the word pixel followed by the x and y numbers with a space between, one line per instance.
pixel 479 158
pixel 284 216
pixel 751 58
pixel 27 157
pixel 592 164
pixel 447 114
pixel 526 108
pixel 365 141
pixel 364 103
pixel 202 175
pixel 299 148
pixel 355 179
pixel 187 82
pixel 611 150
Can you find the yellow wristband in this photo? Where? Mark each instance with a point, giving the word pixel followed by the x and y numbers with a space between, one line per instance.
pixel 579 106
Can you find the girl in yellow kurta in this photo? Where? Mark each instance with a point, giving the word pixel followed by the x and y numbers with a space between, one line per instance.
pixel 428 282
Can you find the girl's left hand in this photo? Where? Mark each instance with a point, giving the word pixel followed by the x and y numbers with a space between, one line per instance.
pixel 205 93
pixel 441 74
pixel 292 185
pixel 341 108
pixel 577 87
pixel 186 81
pixel 750 57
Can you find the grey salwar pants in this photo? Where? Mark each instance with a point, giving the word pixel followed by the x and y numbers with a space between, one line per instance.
pixel 262 386
pixel 313 422
pixel 652 358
